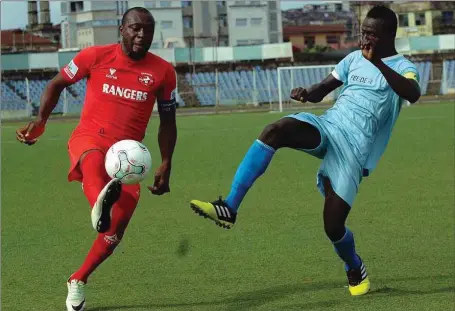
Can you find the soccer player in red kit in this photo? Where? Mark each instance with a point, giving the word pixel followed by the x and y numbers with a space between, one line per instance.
pixel 123 82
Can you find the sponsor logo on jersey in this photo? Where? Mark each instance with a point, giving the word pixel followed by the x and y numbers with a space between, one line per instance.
pixel 71 69
pixel 146 79
pixel 111 73
pixel 360 79
pixel 125 93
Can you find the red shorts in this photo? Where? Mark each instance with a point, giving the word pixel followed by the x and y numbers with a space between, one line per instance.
pixel 82 141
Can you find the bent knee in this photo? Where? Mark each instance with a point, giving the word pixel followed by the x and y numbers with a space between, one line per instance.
pixel 86 153
pixel 275 133
pixel 334 230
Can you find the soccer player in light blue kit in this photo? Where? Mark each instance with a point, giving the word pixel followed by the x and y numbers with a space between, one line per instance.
pixel 350 137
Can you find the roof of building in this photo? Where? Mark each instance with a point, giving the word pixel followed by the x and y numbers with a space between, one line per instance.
pixel 325 28
pixel 19 37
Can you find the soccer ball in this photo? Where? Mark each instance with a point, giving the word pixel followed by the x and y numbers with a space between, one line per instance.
pixel 128 160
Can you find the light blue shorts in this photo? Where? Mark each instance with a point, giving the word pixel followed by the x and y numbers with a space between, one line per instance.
pixel 339 163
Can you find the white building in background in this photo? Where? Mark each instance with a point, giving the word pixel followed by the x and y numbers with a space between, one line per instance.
pixel 178 23
pixel 89 23
pixel 254 22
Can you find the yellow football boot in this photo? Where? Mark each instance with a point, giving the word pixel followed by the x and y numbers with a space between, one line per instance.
pixel 359 284
pixel 218 211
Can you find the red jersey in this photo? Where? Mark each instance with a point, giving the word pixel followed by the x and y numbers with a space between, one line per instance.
pixel 121 92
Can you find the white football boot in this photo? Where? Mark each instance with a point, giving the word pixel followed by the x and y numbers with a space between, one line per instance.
pixel 75 301
pixel 101 211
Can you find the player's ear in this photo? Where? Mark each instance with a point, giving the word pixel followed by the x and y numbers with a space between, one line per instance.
pixel 120 29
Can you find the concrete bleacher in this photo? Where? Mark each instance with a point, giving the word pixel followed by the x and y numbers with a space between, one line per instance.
pixel 241 87
pixel 75 97
pixel 234 87
pixel 448 77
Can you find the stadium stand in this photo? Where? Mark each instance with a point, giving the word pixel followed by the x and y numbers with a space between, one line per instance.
pixel 234 87
pixel 448 76
pixel 238 86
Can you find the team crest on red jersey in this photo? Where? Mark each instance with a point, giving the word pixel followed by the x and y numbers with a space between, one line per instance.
pixel 146 79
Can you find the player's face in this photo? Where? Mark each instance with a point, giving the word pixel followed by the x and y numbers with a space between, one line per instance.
pixel 373 30
pixel 137 34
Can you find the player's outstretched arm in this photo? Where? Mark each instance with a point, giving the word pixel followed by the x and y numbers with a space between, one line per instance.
pixel 29 134
pixel 317 92
pixel 51 95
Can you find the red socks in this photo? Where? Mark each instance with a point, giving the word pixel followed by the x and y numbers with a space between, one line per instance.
pixel 94 179
pixel 105 243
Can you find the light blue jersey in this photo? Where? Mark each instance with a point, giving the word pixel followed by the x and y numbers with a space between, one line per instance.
pixel 367 107
pixel 357 129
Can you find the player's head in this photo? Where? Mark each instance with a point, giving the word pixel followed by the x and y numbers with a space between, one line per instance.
pixel 137 29
pixel 380 23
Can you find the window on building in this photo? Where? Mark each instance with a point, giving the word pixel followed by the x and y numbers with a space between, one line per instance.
pixel 338 7
pixel 273 22
pixel 447 17
pixel 166 24
pixel 188 22
pixel 243 42
pixel 223 20
pixel 256 21
pixel 420 19
pixel 150 4
pixel 274 38
pixel 240 2
pixel 77 6
pixel 186 4
pixel 257 42
pixel 241 22
pixel 255 2
pixel 403 20
pixel 309 41
pixel 223 42
pixel 165 4
pixel 333 39
pixel 272 5
pixel 106 22
pixel 221 4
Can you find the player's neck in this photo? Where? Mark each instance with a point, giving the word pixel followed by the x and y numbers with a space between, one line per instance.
pixel 127 55
pixel 387 52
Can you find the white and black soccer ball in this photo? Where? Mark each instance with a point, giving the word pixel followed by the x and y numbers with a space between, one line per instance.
pixel 128 160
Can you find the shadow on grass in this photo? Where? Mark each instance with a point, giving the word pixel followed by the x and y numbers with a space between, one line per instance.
pixel 249 300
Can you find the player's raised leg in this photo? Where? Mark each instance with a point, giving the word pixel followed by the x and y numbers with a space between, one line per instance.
pixel 336 211
pixel 101 191
pixel 103 246
pixel 286 132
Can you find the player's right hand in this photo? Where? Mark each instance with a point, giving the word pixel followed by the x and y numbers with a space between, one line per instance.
pixel 30 133
pixel 299 94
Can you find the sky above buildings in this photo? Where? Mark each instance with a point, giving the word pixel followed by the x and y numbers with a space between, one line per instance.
pixel 14 12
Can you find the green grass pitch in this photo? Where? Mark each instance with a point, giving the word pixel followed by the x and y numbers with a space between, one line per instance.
pixel 275 258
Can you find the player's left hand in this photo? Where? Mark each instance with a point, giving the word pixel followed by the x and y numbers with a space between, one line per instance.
pixel 161 184
pixel 368 47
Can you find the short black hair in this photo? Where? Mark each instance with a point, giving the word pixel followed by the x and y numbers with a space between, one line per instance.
pixel 136 9
pixel 387 15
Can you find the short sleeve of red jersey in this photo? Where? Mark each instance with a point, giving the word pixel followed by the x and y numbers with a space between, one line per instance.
pixel 167 93
pixel 79 67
